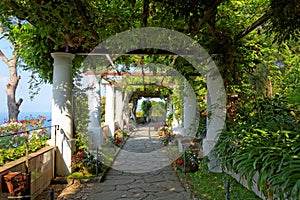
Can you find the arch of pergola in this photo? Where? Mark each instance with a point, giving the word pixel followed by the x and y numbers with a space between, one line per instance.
pixel 117 100
pixel 119 95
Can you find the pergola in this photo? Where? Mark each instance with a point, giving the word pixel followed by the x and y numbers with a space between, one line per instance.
pixel 119 94
pixel 62 104
pixel 62 89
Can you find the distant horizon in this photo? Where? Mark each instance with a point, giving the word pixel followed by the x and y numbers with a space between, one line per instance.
pixel 30 112
pixel 22 115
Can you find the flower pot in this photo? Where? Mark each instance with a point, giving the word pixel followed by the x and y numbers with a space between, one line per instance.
pixel 16 183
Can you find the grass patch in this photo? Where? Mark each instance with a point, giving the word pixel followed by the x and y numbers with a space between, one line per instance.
pixel 80 175
pixel 86 175
pixel 206 185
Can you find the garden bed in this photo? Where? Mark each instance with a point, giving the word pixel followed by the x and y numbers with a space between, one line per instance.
pixel 207 185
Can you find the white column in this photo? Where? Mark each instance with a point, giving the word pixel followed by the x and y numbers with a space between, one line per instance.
pixel 189 117
pixel 119 108
pixel 189 111
pixel 125 109
pixel 216 115
pixel 210 141
pixel 94 127
pixel 110 109
pixel 176 126
pixel 62 110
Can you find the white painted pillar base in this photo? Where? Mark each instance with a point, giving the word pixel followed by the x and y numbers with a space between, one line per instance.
pixel 190 110
pixel 110 109
pixel 62 111
pixel 177 129
pixel 213 164
pixel 119 108
pixel 176 126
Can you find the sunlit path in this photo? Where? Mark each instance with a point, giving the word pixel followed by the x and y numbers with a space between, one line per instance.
pixel 143 152
pixel 141 171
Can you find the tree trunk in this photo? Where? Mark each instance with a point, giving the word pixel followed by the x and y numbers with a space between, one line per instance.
pixel 12 105
pixel 269 89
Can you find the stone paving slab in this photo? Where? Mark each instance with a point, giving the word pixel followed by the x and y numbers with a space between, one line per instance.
pixel 141 171
pixel 142 186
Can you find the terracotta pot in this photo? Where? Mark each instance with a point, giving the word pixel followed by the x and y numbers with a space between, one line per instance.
pixel 16 183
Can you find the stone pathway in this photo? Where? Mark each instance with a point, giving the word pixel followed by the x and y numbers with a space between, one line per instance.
pixel 141 171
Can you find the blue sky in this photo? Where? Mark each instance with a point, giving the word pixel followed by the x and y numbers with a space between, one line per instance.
pixel 41 102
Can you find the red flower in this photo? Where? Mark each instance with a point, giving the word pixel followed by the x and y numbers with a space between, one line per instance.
pixel 180 161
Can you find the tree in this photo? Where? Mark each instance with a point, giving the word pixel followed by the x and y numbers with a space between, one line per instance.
pixel 224 28
pixel 146 107
pixel 12 105
pixel 78 26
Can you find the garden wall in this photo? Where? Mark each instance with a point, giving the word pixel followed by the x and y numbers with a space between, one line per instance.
pixel 242 180
pixel 41 168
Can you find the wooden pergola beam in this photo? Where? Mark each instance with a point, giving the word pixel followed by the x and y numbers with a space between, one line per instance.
pixel 150 74
pixel 140 84
pixel 142 52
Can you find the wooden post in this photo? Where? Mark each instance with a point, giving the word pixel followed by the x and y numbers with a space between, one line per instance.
pixel 97 154
pixel 56 128
pixel 184 160
pixel 27 153
pixel 28 182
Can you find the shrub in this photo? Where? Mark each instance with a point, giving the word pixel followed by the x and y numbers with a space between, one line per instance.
pixel 166 135
pixel 265 138
pixel 85 162
pixel 119 137
pixel 193 157
pixel 14 135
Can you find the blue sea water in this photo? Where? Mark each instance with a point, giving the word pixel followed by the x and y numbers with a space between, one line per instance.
pixel 22 115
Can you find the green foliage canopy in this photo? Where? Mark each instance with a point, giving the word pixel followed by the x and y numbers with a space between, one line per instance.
pixel 80 25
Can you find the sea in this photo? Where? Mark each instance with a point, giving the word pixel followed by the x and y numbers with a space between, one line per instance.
pixel 23 115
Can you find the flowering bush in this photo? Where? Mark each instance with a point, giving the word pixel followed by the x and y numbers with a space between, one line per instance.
pixel 13 135
pixel 84 161
pixel 116 141
pixel 12 141
pixel 193 158
pixel 166 135
pixel 168 138
pixel 119 138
